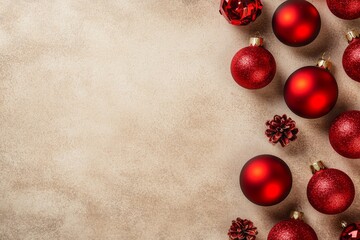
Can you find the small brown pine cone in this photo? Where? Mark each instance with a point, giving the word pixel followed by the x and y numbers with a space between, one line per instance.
pixel 281 129
pixel 242 229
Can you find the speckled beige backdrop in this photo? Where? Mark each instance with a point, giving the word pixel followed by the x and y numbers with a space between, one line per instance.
pixel 120 120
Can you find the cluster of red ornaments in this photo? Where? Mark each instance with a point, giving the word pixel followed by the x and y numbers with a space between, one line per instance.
pixel 243 12
pixel 309 92
pixel 295 23
pixel 266 180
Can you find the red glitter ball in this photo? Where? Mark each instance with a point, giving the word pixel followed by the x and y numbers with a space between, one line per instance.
pixel 344 134
pixel 330 191
pixel 311 92
pixel 351 59
pixel 345 9
pixel 265 180
pixel 293 229
pixel 253 67
pixel 296 23
pixel 240 12
pixel 351 232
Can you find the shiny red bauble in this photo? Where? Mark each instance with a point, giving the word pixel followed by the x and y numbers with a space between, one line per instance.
pixel 345 9
pixel 330 191
pixel 292 229
pixel 253 67
pixel 296 23
pixel 240 12
pixel 311 92
pixel 265 180
pixel 351 56
pixel 351 232
pixel 344 134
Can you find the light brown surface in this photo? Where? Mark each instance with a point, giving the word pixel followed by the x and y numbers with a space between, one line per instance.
pixel 120 120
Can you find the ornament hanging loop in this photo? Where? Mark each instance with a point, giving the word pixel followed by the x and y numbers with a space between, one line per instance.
pixel 343 224
pixel 317 166
pixel 351 35
pixel 324 63
pixel 256 41
pixel 297 215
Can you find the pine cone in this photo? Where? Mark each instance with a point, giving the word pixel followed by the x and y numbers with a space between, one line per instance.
pixel 242 229
pixel 281 129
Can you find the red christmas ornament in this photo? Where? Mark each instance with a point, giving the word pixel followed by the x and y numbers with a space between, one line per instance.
pixel 345 9
pixel 330 191
pixel 311 92
pixel 351 231
pixel 351 57
pixel 240 12
pixel 253 67
pixel 265 180
pixel 292 229
pixel 296 23
pixel 344 134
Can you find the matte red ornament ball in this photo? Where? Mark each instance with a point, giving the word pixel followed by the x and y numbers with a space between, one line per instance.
pixel 351 232
pixel 266 180
pixel 311 92
pixel 253 67
pixel 296 23
pixel 330 191
pixel 344 134
pixel 292 229
pixel 351 58
pixel 345 9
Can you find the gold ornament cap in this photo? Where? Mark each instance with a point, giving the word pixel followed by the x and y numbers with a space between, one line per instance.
pixel 323 63
pixel 351 35
pixel 256 41
pixel 297 215
pixel 317 166
pixel 344 224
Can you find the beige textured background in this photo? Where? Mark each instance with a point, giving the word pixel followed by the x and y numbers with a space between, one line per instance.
pixel 120 120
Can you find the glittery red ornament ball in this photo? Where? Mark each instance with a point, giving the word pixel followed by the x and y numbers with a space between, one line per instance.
pixel 345 9
pixel 296 23
pixel 265 180
pixel 240 12
pixel 253 67
pixel 292 229
pixel 330 191
pixel 344 134
pixel 351 232
pixel 311 92
pixel 351 59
